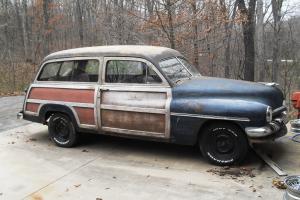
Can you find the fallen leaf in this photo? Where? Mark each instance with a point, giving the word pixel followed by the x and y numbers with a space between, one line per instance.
pixel 84 150
pixel 279 184
pixel 114 177
pixel 32 139
pixel 78 185
pixel 98 198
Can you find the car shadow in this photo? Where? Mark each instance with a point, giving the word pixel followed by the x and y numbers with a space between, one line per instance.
pixel 150 148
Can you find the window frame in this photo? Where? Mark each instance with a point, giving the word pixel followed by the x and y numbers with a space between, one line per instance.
pixel 163 82
pixel 69 59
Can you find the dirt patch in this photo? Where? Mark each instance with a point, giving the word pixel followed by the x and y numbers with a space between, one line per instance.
pixel 233 172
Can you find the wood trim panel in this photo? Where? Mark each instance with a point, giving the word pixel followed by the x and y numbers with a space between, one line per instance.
pixel 32 107
pixel 59 94
pixel 149 122
pixel 85 115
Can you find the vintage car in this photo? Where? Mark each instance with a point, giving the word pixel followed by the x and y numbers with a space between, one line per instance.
pixel 151 93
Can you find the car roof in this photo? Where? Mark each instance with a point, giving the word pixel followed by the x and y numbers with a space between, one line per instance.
pixel 151 53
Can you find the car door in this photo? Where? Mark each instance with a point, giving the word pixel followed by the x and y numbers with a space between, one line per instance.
pixel 134 98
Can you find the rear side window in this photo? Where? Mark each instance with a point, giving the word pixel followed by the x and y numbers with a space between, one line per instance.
pixel 75 71
pixel 49 72
pixel 126 71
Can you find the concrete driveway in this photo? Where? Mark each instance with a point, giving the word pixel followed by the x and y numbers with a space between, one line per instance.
pixel 105 168
pixel 9 107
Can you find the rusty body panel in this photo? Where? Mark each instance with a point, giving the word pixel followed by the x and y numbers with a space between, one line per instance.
pixel 134 110
pixel 32 107
pixel 138 121
pixel 59 94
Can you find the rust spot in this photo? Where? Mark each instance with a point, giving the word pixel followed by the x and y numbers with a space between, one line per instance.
pixel 59 94
pixel 32 107
pixel 133 120
pixel 36 197
pixel 85 115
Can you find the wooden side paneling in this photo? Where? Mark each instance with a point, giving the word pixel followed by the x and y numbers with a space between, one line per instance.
pixel 85 115
pixel 133 120
pixel 32 107
pixel 59 94
pixel 134 99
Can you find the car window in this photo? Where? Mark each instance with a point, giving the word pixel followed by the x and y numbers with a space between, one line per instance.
pixel 85 71
pixel 49 72
pixel 76 71
pixel 174 69
pixel 190 67
pixel 127 71
pixel 66 71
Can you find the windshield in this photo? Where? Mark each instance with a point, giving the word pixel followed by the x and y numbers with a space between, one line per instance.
pixel 190 67
pixel 177 69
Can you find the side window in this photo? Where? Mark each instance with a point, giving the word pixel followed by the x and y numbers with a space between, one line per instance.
pixel 85 71
pixel 49 72
pixel 66 71
pixel 73 70
pixel 126 71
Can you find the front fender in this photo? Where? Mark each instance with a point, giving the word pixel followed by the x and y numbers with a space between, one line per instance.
pixel 189 114
pixel 255 112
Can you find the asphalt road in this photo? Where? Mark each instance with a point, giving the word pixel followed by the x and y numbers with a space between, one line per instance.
pixel 9 107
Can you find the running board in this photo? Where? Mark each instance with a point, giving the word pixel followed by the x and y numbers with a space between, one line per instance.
pixel 270 162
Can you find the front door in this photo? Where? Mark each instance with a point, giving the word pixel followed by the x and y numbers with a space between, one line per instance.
pixel 134 98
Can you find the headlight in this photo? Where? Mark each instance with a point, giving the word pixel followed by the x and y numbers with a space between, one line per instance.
pixel 269 114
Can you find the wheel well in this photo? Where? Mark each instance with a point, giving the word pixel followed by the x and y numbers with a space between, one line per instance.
pixel 49 113
pixel 49 109
pixel 209 122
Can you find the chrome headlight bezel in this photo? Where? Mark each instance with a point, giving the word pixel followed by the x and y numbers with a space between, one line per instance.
pixel 269 114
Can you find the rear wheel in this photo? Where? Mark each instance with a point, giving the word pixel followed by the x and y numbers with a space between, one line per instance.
pixel 223 144
pixel 62 131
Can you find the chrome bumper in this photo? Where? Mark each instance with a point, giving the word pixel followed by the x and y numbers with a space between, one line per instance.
pixel 295 126
pixel 20 115
pixel 273 127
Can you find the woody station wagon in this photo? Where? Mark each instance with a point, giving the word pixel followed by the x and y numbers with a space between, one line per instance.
pixel 151 93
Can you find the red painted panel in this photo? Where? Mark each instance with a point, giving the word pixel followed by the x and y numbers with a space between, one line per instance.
pixel 85 115
pixel 59 94
pixel 32 107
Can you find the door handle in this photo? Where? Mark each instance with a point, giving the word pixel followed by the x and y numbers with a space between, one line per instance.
pixel 103 89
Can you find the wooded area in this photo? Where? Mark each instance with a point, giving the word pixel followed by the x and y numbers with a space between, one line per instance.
pixel 255 40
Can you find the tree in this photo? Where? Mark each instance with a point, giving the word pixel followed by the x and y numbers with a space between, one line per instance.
pixel 276 11
pixel 248 24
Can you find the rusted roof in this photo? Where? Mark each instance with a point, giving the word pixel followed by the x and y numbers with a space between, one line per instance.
pixel 152 53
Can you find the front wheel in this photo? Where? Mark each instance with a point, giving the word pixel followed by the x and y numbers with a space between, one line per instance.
pixel 223 144
pixel 62 131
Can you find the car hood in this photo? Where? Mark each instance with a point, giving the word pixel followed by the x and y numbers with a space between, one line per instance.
pixel 217 88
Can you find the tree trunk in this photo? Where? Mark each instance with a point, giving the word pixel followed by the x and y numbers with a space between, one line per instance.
pixel 80 21
pixel 248 33
pixel 46 33
pixel 168 7
pixel 25 29
pixel 276 11
pixel 260 40
pixel 195 34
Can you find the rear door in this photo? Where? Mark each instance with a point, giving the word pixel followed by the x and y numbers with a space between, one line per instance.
pixel 134 98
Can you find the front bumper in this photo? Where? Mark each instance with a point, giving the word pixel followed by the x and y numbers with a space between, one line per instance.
pixel 273 128
pixel 295 126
